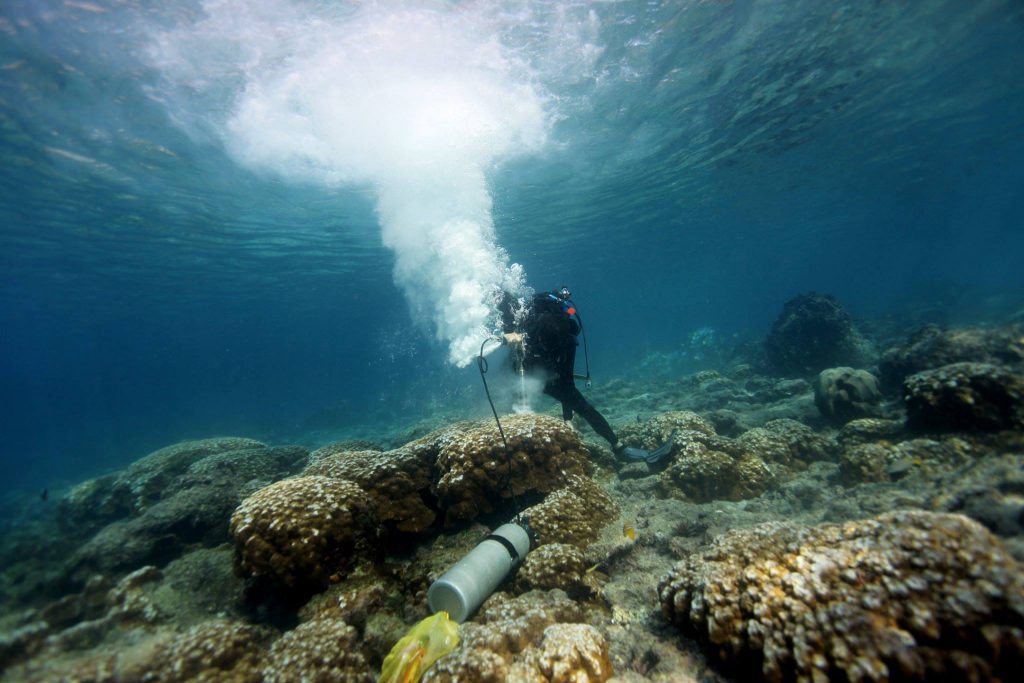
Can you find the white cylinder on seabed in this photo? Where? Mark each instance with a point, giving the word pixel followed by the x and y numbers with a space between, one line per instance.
pixel 464 587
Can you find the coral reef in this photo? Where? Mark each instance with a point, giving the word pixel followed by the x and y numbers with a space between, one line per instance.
pixel 844 394
pixel 216 650
pixel 535 637
pixel 299 532
pixel 965 396
pixel 932 347
pixel 340 558
pixel 544 453
pixel 97 502
pixel 786 443
pixel 555 565
pixel 990 490
pixel 574 514
pixel 394 481
pixel 906 595
pixel 318 650
pixel 193 511
pixel 888 462
pixel 652 433
pixel 705 466
pixel 336 447
pixel 868 430
pixel 462 469
pixel 812 333
pixel 701 474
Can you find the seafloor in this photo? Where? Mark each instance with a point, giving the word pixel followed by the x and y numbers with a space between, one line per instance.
pixel 844 500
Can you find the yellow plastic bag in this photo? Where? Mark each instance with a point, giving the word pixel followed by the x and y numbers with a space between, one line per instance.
pixel 414 653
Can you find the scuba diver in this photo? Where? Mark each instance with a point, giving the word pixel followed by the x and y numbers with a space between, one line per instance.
pixel 544 340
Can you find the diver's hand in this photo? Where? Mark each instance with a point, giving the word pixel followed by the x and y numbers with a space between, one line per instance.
pixel 513 339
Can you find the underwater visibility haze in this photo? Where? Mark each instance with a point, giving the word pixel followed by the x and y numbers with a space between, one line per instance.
pixel 262 225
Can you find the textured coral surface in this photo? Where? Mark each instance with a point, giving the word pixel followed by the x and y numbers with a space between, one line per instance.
pixel 300 531
pixel 904 596
pixel 574 514
pixel 536 637
pixel 474 467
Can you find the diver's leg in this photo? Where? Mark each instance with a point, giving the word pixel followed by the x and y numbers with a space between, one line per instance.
pixel 596 420
pixel 560 392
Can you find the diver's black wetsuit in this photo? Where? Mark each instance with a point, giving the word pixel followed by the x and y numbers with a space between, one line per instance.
pixel 551 344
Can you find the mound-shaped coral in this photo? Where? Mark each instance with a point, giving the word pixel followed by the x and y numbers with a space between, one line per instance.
pixel 703 474
pixel 474 467
pixel 394 480
pixel 535 637
pixel 555 565
pixel 965 396
pixel 904 596
pixel 812 333
pixel 574 514
pixel 299 532
pixel 843 394
pixel 654 432
pixel 786 443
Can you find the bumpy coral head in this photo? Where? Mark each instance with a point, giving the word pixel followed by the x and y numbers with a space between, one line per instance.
pixel 300 532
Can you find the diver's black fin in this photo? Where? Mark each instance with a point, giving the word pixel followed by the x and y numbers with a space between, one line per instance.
pixel 650 457
pixel 662 450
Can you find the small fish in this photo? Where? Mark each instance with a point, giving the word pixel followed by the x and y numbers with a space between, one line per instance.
pixel 629 531
pixel 45 495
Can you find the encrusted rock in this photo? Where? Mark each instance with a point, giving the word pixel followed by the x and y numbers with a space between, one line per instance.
pixel 843 394
pixel 574 514
pixel 193 511
pixel 99 501
pixel 932 347
pixel 868 430
pixel 884 461
pixel 903 596
pixel 231 470
pixel 300 532
pixel 965 396
pixel 990 490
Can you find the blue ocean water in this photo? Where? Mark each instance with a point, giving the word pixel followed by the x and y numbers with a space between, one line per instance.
pixel 274 219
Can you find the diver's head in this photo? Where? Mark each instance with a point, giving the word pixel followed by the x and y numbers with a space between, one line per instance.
pixel 563 293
